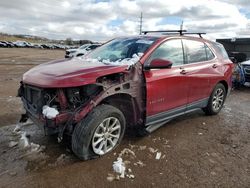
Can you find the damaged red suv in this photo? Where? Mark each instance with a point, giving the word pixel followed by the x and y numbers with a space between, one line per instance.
pixel 140 81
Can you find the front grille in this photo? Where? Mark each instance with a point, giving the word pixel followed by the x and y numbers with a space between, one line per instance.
pixel 32 98
pixel 247 70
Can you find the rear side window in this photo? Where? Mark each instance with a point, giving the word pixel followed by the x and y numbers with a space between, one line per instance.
pixel 170 50
pixel 209 53
pixel 220 48
pixel 195 51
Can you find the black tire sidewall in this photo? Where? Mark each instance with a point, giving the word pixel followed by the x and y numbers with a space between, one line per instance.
pixel 210 109
pixel 83 133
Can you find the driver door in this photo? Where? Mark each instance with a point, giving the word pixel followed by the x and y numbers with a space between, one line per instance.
pixel 167 88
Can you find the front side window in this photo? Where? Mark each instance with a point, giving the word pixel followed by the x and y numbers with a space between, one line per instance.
pixel 195 51
pixel 170 50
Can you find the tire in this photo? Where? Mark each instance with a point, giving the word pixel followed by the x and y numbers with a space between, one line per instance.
pixel 216 100
pixel 92 134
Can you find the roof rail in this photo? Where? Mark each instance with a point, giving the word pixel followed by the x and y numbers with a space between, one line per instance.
pixel 165 31
pixel 191 33
pixel 181 32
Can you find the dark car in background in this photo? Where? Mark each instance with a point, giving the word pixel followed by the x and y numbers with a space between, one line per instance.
pixel 246 68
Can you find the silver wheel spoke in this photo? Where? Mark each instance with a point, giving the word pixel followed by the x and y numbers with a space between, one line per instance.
pixel 107 123
pixel 111 142
pixel 98 141
pixel 105 146
pixel 115 128
pixel 102 126
pixel 114 123
pixel 114 136
pixel 98 134
pixel 106 135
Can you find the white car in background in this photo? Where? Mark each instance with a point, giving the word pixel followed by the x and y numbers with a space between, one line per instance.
pixel 23 44
pixel 82 50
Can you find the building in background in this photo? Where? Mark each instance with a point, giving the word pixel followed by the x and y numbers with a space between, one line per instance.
pixel 237 47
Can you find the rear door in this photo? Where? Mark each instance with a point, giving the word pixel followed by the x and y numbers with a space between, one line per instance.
pixel 167 89
pixel 200 60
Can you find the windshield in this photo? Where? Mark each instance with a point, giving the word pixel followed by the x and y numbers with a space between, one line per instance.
pixel 122 48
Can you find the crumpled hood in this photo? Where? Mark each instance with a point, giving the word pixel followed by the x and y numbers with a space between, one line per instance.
pixel 68 73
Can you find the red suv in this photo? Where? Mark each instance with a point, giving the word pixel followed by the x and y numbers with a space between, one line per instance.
pixel 141 81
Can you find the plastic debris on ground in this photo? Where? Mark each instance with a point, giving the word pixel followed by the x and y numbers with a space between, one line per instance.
pixel 119 167
pixel 158 156
pixel 50 112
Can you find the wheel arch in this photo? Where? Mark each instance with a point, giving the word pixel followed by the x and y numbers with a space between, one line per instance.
pixel 225 84
pixel 126 104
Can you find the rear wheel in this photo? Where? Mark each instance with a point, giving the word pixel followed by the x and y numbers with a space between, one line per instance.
pixel 99 133
pixel 216 100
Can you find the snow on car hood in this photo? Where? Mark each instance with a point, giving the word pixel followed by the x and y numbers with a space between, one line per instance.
pixel 74 72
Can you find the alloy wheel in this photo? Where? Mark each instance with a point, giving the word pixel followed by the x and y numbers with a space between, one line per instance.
pixel 106 135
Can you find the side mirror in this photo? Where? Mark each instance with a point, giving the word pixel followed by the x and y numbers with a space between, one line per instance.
pixel 159 64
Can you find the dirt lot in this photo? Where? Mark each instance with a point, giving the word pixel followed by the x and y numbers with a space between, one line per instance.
pixel 196 150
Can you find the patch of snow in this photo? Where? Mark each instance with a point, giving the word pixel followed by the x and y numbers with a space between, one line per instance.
pixel 142 147
pixel 111 177
pixel 139 163
pixel 127 61
pixel 34 147
pixel 158 155
pixel 152 150
pixel 126 151
pixel 12 144
pixel 141 41
pixel 130 176
pixel 200 133
pixel 17 128
pixel 49 112
pixel 119 167
pixel 24 141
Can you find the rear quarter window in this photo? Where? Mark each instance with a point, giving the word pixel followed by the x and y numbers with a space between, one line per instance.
pixel 221 50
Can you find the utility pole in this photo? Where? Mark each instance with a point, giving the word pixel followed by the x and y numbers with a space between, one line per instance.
pixel 181 26
pixel 140 24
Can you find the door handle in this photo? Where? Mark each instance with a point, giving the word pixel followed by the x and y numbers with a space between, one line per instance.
pixel 215 66
pixel 183 71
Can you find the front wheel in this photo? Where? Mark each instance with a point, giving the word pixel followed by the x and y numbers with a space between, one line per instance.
pixel 99 133
pixel 216 100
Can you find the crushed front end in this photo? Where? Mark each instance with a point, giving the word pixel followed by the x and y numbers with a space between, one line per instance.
pixel 66 101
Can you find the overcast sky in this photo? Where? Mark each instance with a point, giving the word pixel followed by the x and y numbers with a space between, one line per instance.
pixel 100 20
